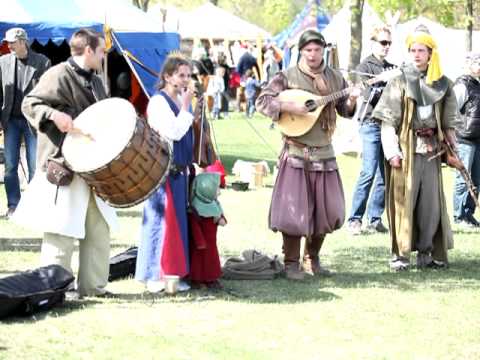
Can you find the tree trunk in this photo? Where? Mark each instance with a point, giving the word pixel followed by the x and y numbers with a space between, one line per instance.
pixel 141 4
pixel 469 34
pixel 356 10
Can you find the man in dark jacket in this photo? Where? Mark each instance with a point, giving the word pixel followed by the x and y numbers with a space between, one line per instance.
pixel 467 91
pixel 246 62
pixel 372 152
pixel 19 73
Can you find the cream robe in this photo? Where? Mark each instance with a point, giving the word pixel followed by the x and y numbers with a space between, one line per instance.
pixel 37 208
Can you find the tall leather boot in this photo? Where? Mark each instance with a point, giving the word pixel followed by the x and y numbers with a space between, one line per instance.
pixel 291 251
pixel 311 258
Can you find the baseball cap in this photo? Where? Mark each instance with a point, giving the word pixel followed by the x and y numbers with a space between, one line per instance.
pixel 15 34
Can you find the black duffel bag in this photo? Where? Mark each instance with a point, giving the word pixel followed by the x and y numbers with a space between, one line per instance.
pixel 35 290
pixel 123 264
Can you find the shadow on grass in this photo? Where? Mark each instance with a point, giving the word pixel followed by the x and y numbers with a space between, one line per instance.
pixel 368 267
pixel 277 291
pixel 57 311
pixel 128 300
pixel 359 267
pixel 34 244
pixel 20 244
pixel 4 273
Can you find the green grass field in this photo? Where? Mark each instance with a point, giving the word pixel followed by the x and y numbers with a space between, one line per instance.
pixel 363 312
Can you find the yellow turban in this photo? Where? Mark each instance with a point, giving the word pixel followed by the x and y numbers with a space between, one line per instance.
pixel 434 71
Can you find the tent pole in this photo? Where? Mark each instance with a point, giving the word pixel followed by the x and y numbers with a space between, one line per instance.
pixel 106 81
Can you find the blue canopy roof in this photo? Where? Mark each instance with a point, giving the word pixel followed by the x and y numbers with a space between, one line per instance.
pixel 45 31
pixel 57 20
pixel 54 20
pixel 149 50
pixel 312 16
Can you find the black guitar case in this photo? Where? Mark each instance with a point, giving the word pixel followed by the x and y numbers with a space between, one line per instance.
pixel 35 290
pixel 123 264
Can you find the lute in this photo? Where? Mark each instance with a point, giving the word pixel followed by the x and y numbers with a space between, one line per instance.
pixel 297 125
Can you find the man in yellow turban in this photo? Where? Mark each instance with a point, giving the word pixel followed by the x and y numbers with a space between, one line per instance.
pixel 417 111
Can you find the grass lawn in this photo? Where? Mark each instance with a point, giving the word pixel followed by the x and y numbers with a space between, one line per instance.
pixel 363 312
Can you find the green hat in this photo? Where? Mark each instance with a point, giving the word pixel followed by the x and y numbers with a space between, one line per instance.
pixel 310 36
pixel 204 195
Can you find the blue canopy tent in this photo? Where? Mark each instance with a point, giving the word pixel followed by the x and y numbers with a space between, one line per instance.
pixel 43 32
pixel 145 53
pixel 313 16
pixel 133 30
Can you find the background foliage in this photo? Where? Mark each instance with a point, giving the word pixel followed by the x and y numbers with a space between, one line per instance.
pixel 275 15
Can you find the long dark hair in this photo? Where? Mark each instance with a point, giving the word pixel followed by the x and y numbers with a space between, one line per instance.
pixel 170 66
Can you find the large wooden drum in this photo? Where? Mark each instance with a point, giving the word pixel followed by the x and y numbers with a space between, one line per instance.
pixel 117 154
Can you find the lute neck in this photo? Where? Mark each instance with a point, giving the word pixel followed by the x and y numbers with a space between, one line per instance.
pixel 324 100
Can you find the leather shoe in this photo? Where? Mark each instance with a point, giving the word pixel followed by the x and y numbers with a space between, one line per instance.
pixel 9 213
pixel 377 226
pixel 399 264
pixel 293 272
pixel 311 266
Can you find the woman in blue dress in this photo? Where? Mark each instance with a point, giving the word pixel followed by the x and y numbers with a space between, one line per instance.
pixel 163 248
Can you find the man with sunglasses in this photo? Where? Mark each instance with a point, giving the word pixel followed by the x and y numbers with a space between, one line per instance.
pixel 418 113
pixel 372 152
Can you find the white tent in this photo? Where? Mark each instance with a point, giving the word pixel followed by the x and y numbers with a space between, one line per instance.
pixel 451 44
pixel 338 32
pixel 169 16
pixel 211 22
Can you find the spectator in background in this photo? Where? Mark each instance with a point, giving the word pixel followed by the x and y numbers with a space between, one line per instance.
pixel 246 62
pixel 216 87
pixel 222 62
pixel 373 171
pixel 251 86
pixel 467 91
pixel 20 71
pixel 270 66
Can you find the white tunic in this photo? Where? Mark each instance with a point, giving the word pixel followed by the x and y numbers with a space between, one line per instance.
pixel 162 119
pixel 38 210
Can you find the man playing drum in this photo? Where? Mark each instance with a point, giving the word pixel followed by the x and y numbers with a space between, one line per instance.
pixel 66 213
pixel 308 198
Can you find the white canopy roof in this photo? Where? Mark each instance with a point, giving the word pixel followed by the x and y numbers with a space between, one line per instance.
pixel 338 32
pixel 211 22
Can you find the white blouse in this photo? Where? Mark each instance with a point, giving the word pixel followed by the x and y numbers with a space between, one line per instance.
pixel 162 119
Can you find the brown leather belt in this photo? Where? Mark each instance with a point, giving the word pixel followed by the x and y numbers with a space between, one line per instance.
pixel 425 132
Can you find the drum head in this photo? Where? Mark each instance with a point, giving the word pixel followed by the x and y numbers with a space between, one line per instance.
pixel 106 128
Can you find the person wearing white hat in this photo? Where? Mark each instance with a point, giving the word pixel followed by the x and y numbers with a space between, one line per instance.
pixel 20 71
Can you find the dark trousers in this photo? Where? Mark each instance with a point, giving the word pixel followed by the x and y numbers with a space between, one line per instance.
pixel 15 130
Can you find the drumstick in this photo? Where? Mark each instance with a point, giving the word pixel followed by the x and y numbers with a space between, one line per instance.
pixel 78 131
